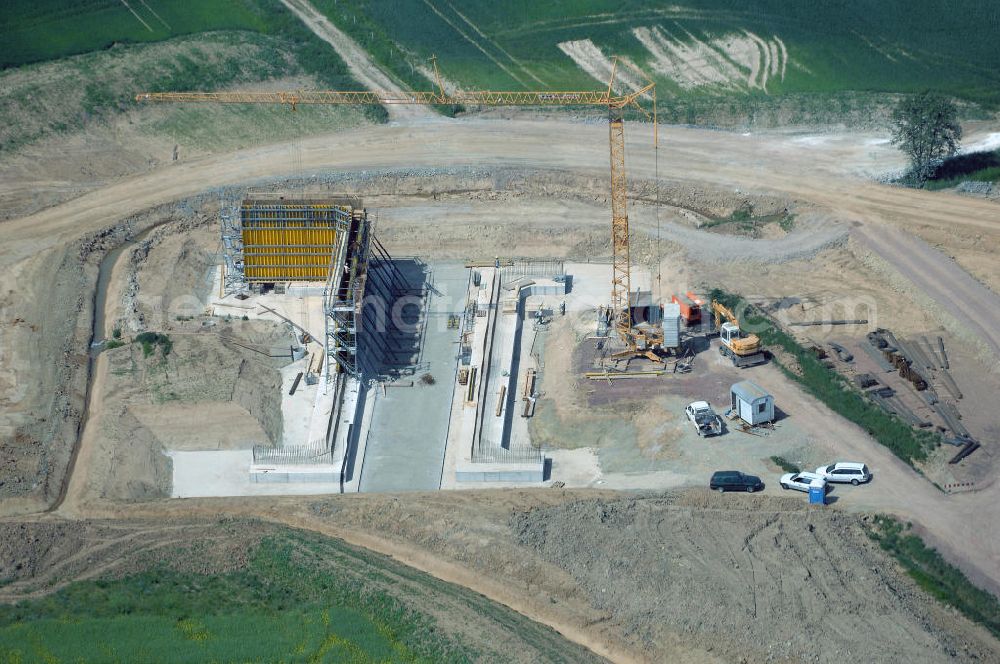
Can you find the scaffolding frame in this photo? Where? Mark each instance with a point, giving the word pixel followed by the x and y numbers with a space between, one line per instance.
pixel 346 272
pixel 234 280
pixel 343 296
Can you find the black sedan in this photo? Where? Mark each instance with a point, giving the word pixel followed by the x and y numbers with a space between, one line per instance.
pixel 734 480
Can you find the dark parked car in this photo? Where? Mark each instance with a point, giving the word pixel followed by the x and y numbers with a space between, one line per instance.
pixel 734 480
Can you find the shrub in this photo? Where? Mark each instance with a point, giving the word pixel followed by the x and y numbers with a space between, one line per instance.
pixel 149 341
pixel 785 464
pixel 936 576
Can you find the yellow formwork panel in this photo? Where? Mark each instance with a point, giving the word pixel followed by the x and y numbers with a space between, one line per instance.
pixel 290 242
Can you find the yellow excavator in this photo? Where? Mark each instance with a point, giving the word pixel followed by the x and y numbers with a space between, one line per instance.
pixel 743 349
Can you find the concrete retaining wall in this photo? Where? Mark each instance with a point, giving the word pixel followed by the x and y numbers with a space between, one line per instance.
pixel 519 476
pixel 501 472
pixel 289 474
pixel 537 289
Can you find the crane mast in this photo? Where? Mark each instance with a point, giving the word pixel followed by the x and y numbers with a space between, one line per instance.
pixel 621 275
pixel 637 341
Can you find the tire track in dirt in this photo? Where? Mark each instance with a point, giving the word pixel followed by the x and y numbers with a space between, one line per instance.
pixel 360 65
pixel 97 556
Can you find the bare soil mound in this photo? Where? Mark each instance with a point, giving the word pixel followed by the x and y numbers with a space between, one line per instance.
pixel 683 577
pixel 759 574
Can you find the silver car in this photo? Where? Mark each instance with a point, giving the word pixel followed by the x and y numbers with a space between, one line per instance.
pixel 845 471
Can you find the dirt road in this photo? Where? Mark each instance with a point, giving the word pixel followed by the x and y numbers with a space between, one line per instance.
pixel 358 62
pixel 759 164
pixel 961 296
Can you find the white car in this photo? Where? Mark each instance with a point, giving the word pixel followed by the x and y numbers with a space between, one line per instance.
pixel 799 481
pixel 845 471
pixel 704 419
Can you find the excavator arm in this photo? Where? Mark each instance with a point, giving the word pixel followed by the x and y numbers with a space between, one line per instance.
pixel 741 344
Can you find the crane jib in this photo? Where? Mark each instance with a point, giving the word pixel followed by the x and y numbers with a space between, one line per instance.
pixel 636 340
pixel 423 98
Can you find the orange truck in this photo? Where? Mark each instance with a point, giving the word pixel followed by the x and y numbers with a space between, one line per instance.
pixel 690 306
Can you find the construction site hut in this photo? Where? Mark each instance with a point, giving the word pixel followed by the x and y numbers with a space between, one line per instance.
pixel 752 403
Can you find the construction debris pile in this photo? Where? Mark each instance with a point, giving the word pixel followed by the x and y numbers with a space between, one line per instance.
pixel 924 365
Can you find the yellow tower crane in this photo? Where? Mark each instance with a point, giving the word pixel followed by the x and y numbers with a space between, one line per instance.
pixel 638 338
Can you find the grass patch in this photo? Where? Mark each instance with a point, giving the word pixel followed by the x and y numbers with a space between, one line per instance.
pixel 936 576
pixel 743 221
pixel 798 363
pixel 114 343
pixel 742 215
pixel 151 340
pixel 785 464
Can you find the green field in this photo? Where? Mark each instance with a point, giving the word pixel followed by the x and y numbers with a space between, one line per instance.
pixel 853 45
pixel 281 608
pixel 38 30
pixel 769 62
pixel 42 30
pixel 339 634
pixel 299 597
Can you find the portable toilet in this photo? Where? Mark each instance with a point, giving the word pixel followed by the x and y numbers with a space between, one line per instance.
pixel 817 492
pixel 752 403
pixel 671 325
